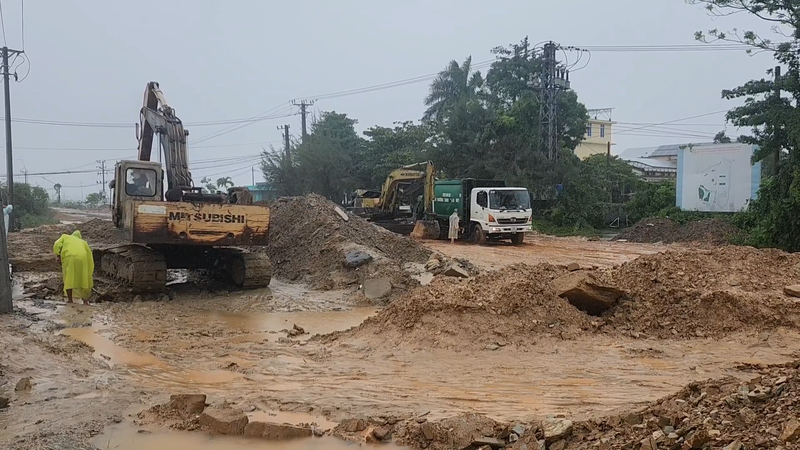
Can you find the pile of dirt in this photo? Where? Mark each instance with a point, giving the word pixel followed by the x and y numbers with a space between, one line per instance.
pixel 490 311
pixel 310 239
pixel 697 293
pixel 32 250
pixel 723 413
pixel 705 231
pixel 678 294
pixel 760 413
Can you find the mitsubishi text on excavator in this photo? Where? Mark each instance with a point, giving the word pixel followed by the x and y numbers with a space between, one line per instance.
pixel 178 226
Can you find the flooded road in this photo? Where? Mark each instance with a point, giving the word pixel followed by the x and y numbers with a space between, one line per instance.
pixel 256 358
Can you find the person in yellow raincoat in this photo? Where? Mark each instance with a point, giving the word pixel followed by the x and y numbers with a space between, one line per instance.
pixel 77 265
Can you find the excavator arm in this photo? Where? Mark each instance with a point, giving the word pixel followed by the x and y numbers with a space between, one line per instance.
pixel 411 174
pixel 162 121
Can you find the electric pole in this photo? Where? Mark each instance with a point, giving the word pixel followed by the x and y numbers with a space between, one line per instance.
pixel 776 164
pixel 285 129
pixel 9 155
pixel 553 79
pixel 25 175
pixel 6 305
pixel 304 104
pixel 101 166
pixel 253 175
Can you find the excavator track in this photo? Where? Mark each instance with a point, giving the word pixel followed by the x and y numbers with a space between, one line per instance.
pixel 246 269
pixel 142 268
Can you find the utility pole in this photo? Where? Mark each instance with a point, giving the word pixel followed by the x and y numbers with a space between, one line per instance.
pixel 285 129
pixel 553 79
pixel 6 305
pixel 304 104
pixel 101 166
pixel 776 164
pixel 9 155
pixel 253 175
pixel 25 175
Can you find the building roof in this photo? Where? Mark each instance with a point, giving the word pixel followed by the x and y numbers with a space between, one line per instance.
pixel 639 152
pixel 653 164
pixel 672 149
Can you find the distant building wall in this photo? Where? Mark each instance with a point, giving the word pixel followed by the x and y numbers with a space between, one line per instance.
pixel 599 133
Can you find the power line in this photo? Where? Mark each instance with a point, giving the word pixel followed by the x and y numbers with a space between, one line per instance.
pixel 662 48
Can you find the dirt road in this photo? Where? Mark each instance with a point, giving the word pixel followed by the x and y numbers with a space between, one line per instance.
pixel 547 249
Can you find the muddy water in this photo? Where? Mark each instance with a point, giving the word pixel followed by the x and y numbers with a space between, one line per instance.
pixel 125 437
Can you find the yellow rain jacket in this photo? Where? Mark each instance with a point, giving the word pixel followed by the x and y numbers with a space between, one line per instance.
pixel 77 264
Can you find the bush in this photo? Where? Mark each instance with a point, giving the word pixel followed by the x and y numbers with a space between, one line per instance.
pixel 31 206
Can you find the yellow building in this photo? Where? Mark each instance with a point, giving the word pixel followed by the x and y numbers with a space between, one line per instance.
pixel 599 133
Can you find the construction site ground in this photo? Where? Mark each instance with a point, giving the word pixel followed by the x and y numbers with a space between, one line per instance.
pixel 300 352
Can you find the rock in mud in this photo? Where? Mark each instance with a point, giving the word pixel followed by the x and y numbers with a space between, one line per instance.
pixel 377 288
pixel 356 258
pixel 4 402
pixel 792 291
pixel 456 271
pixel 353 425
pixel 187 405
pixel 274 431
pixel 556 429
pixel 791 431
pixel 573 266
pixel 224 420
pixel 586 292
pixel 24 385
pixel 488 442
pixel 381 434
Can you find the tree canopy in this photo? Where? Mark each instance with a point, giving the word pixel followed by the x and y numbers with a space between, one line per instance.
pixel 773 119
pixel 474 125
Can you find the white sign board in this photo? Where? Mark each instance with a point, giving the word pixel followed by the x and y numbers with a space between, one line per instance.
pixel 717 178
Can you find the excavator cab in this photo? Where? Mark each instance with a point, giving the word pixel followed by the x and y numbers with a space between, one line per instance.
pixel 134 180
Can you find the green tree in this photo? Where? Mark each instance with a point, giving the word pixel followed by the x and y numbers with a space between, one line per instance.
pixel 94 199
pixel 279 171
pixel 389 148
pixel 588 197
pixel 224 183
pixel 31 206
pixel 773 120
pixel 455 86
pixel 208 185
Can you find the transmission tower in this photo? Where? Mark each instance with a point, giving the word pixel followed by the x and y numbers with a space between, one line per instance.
pixel 553 79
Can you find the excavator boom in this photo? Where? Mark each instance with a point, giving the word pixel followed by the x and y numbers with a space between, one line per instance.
pixel 172 135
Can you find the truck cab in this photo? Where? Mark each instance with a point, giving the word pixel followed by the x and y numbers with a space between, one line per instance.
pixel 499 213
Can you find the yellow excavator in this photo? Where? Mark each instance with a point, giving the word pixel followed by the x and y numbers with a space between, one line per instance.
pixel 405 196
pixel 178 226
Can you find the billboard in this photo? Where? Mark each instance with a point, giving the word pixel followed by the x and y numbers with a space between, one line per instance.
pixel 716 178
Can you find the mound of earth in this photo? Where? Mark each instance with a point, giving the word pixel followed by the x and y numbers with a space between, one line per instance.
pixel 32 250
pixel 687 293
pixel 679 294
pixel 491 310
pixel 723 413
pixel 310 241
pixel 705 231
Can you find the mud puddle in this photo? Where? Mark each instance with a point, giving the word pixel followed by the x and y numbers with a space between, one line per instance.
pixel 268 325
pixel 127 437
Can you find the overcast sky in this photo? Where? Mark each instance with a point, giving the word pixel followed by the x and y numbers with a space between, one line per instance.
pixel 91 59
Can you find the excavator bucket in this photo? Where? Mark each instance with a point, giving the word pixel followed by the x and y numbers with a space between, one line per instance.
pixel 426 229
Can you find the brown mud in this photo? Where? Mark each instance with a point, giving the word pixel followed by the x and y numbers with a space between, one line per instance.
pixel 496 359
pixel 703 232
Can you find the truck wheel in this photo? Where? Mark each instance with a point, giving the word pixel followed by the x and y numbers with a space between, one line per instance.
pixel 517 238
pixel 478 235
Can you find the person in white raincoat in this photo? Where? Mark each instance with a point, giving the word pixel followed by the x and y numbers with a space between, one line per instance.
pixel 7 215
pixel 453 231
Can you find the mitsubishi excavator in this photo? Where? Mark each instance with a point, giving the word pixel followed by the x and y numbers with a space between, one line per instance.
pixel 178 226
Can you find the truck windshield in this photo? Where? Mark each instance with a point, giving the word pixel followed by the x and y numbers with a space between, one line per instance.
pixel 517 199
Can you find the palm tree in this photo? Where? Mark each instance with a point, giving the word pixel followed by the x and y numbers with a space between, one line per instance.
pixel 455 85
pixel 224 182
pixel 57 188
